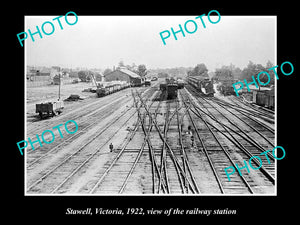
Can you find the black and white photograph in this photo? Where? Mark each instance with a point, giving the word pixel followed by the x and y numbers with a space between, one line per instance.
pixel 151 105
pixel 139 111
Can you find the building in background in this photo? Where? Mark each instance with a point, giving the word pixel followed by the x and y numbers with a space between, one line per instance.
pixel 123 74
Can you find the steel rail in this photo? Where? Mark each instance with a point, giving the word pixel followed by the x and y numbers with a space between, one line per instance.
pixel 29 165
pixel 138 156
pixel 95 186
pixel 163 156
pixel 151 152
pixel 226 153
pixel 245 114
pixel 71 156
pixel 183 152
pixel 173 157
pixel 91 156
pixel 251 140
pixel 205 152
pixel 167 123
pixel 261 110
pixel 248 139
pixel 237 143
pixel 241 147
pixel 253 128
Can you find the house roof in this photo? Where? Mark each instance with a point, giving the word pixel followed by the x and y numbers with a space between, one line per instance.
pixel 130 73
pixel 126 71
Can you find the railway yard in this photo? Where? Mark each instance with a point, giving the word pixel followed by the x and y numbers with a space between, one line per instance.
pixel 159 145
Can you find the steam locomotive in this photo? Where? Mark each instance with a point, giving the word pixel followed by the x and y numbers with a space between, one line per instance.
pixel 203 84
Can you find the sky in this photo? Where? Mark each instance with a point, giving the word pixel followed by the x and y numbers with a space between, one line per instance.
pixel 102 41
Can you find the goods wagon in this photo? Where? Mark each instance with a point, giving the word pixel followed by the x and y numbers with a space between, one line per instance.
pixel 110 87
pixel 264 98
pixel 180 83
pixel 147 82
pixel 49 108
pixel 170 86
pixel 225 87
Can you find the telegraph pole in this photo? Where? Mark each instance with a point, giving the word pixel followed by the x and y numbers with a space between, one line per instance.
pixel 59 86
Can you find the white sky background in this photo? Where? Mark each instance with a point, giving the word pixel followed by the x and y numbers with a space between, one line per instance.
pixel 102 41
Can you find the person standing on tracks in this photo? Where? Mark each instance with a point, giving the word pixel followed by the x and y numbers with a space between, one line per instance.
pixel 192 140
pixel 190 133
pixel 111 147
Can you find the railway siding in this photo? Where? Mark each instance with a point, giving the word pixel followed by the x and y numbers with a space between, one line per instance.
pixel 177 146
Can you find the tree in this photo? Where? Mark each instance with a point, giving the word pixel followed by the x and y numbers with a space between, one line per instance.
pixel 121 64
pixel 249 71
pixel 271 72
pixel 82 75
pixel 253 69
pixel 107 71
pixel 224 73
pixel 237 73
pixel 132 67
pixel 198 70
pixel 142 70
pixel 98 76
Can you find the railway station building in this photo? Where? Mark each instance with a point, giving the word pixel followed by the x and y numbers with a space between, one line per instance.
pixel 124 75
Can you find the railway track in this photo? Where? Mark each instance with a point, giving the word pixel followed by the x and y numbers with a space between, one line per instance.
pixel 164 174
pixel 88 120
pixel 168 176
pixel 91 108
pixel 55 176
pixel 172 166
pixel 221 156
pixel 179 146
pixel 255 141
pixel 125 162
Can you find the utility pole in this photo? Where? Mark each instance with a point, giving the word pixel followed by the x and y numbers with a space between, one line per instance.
pixel 59 86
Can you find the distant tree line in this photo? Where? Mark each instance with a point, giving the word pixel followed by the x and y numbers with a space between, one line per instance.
pixel 198 70
pixel 179 72
pixel 232 72
pixel 85 75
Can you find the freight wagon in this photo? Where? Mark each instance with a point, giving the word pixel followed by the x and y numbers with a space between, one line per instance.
pixel 226 88
pixel 170 87
pixel 49 108
pixel 147 82
pixel 180 83
pixel 264 98
pixel 111 87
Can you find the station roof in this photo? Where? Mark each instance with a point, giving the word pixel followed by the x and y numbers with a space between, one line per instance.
pixel 130 73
